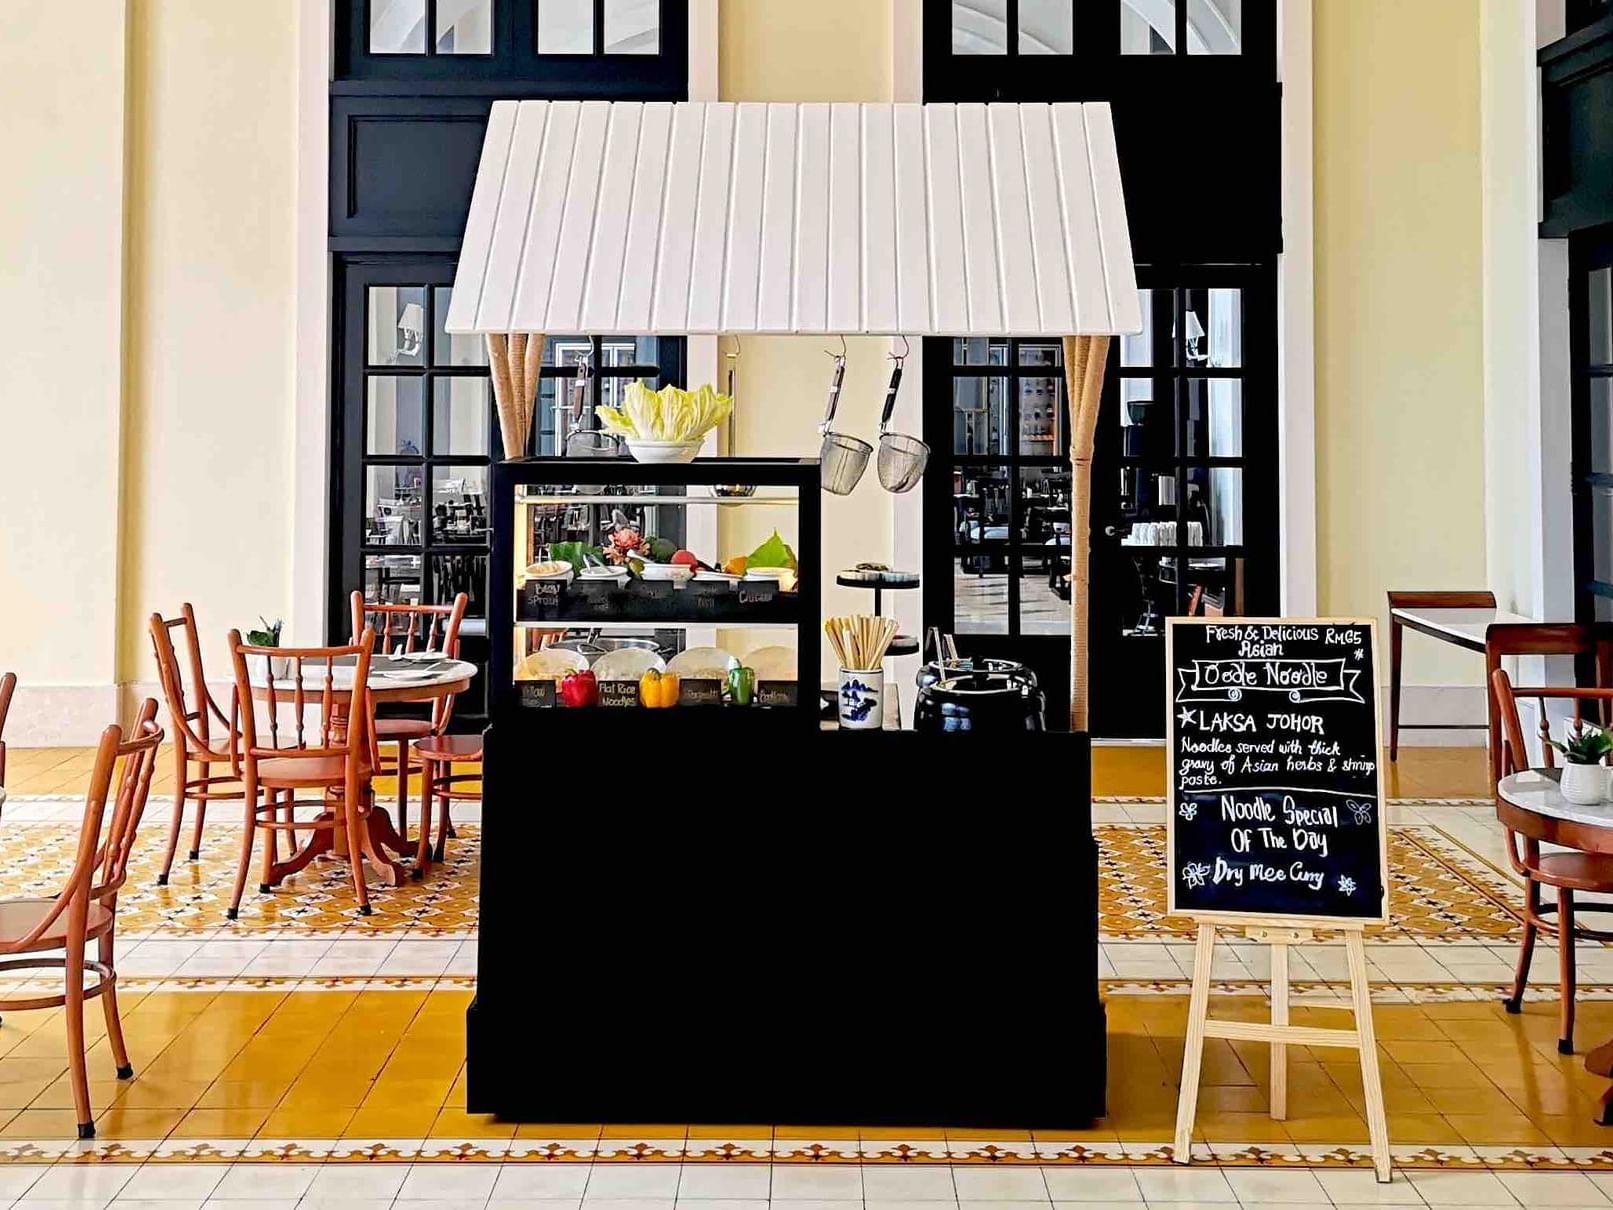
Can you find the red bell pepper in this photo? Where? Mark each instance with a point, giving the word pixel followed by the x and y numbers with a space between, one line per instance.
pixel 579 689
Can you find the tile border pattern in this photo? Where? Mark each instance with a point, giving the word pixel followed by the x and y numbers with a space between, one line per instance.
pixel 1097 1152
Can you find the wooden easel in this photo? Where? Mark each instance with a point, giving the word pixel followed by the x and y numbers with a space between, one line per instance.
pixel 1200 1025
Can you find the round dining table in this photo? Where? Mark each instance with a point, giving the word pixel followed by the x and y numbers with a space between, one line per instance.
pixel 392 680
pixel 1532 804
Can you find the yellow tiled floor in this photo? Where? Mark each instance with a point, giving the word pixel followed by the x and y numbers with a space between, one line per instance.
pixel 376 1064
pixel 389 1064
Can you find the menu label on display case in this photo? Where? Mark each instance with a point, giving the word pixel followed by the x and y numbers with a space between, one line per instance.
pixel 1277 803
pixel 704 692
pixel 776 694
pixel 537 695
pixel 618 694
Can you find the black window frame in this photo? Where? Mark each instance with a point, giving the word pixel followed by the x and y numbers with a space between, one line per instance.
pixel 350 461
pixel 1104 72
pixel 1579 14
pixel 514 68
pixel 1589 253
pixel 942 557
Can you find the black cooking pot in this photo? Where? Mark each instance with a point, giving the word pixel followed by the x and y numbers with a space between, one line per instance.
pixel 980 703
pixel 928 674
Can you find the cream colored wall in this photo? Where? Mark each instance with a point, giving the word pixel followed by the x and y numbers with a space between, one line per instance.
pixel 208 390
pixel 208 290
pixel 61 309
pixel 828 50
pixel 1399 317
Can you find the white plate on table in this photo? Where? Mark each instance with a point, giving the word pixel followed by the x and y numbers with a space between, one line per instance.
pixel 410 675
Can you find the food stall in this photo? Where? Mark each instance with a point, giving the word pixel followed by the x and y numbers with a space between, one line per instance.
pixel 702 901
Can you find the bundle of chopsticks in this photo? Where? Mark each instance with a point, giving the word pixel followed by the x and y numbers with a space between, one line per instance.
pixel 860 640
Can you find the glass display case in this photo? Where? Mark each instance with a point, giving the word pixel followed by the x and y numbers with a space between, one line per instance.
pixel 655 592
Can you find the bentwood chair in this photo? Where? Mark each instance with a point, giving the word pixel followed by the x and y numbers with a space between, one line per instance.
pixel 1564 871
pixel 314 735
pixel 438 756
pixel 413 628
pixel 1587 645
pixel 7 688
pixel 85 909
pixel 192 713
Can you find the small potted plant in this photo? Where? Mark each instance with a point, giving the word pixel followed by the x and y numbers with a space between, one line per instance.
pixel 1584 778
pixel 269 636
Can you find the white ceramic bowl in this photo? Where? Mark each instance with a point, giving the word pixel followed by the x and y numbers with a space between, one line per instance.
pixel 678 573
pixel 628 664
pixel 664 451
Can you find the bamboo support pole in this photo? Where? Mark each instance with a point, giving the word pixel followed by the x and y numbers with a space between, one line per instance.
pixel 1085 360
pixel 515 361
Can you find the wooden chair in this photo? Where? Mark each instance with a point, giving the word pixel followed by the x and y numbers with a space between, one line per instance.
pixel 8 686
pixel 194 740
pixel 415 628
pixel 1586 643
pixel 438 756
pixel 1566 872
pixel 335 756
pixel 86 907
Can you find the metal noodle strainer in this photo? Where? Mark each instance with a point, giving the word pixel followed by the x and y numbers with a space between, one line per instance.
pixel 901 458
pixel 843 459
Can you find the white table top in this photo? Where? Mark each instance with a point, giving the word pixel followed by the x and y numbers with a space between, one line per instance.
pixel 1467 625
pixel 1537 793
pixel 393 674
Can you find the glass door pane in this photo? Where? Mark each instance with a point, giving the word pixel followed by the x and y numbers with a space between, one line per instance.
pixel 980 27
pixel 1046 27
pixel 632 27
pixel 1147 27
pixel 1214 27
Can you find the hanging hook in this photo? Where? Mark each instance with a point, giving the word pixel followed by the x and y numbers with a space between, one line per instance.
pixel 907 350
pixel 734 356
pixel 840 356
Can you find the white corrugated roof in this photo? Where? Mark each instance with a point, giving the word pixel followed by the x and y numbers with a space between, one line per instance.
pixel 955 220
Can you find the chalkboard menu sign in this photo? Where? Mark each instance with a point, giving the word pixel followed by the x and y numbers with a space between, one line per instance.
pixel 1276 798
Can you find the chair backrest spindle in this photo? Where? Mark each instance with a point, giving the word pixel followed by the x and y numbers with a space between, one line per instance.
pixel 343 707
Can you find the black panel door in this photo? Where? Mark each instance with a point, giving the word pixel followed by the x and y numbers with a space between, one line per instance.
pixel 1591 353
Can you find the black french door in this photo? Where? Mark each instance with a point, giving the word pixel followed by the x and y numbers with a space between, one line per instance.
pixel 1185 480
pixel 415 434
pixel 1591 356
pixel 1184 489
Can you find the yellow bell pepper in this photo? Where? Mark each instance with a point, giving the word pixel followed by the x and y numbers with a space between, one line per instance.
pixel 659 690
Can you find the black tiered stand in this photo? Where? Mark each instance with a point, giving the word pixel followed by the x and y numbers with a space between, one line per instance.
pixel 902 644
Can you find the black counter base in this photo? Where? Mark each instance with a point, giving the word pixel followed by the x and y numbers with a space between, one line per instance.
pixel 883 929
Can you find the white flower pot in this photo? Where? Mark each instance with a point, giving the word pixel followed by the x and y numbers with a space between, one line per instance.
pixel 663 451
pixel 1584 785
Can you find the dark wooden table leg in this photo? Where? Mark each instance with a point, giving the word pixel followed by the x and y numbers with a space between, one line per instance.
pixel 1396 634
pixel 1491 663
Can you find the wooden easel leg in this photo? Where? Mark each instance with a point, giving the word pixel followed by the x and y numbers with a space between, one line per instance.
pixel 1279 1017
pixel 1371 1081
pixel 1193 1057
